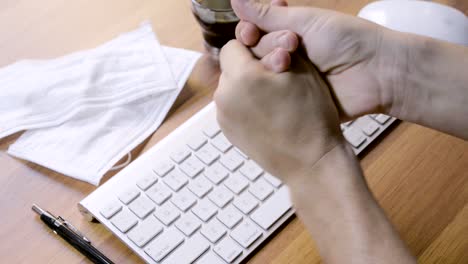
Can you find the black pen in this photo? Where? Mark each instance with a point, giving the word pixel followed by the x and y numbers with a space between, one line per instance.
pixel 70 234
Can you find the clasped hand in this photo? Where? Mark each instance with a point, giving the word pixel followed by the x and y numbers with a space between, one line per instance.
pixel 283 107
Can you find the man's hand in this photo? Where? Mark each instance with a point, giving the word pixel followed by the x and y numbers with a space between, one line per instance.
pixel 284 121
pixel 272 48
pixel 288 123
pixel 369 68
pixel 355 55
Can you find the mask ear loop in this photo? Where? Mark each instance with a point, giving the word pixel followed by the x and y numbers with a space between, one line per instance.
pixel 120 166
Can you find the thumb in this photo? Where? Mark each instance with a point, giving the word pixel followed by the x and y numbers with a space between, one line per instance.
pixel 273 18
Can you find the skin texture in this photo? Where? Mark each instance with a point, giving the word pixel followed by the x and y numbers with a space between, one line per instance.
pixel 278 102
pixel 289 124
pixel 344 48
pixel 284 105
pixel 370 69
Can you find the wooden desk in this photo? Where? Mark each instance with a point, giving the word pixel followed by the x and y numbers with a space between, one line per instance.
pixel 419 176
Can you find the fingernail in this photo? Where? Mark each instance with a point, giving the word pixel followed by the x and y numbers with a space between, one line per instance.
pixel 277 58
pixel 243 35
pixel 285 40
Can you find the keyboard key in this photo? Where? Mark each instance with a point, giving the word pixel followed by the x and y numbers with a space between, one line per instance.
pixel 210 258
pixel 212 129
pixel 382 119
pixel 128 195
pixel 208 154
pixel 370 129
pixel 159 193
pixel 272 180
pixel 354 137
pixel 349 123
pixel 275 207
pixel 221 143
pixel 188 224
pixel 228 249
pixel 193 248
pixel 184 200
pixel 261 189
pixel 192 166
pixel 214 230
pixel 175 179
pixel 146 181
pixel 246 233
pixel 200 186
pixel 221 196
pixel 145 231
pixel 196 141
pixel 163 166
pixel 245 202
pixel 241 153
pixel 164 244
pixel 181 154
pixel 111 209
pixel 124 220
pixel 141 206
pixel 205 210
pixel 230 216
pixel 216 173
pixel 368 125
pixel 251 170
pixel 236 183
pixel 167 213
pixel 232 160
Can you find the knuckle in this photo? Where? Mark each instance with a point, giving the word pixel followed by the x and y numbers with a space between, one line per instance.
pixel 291 39
pixel 249 74
pixel 227 48
pixel 263 10
pixel 231 44
pixel 238 30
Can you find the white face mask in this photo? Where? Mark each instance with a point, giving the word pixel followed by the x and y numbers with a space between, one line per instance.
pixel 94 139
pixel 37 94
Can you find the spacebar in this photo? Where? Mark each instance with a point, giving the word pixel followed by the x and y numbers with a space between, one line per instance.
pixel 273 209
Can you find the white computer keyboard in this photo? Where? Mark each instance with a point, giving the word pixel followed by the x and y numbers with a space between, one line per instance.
pixel 195 198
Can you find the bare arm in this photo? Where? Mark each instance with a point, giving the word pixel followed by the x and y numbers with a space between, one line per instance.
pixel 371 68
pixel 431 85
pixel 347 224
pixel 288 123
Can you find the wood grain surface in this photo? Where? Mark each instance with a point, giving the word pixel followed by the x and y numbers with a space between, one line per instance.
pixel 419 176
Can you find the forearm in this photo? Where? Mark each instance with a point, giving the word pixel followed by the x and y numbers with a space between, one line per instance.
pixel 432 85
pixel 340 212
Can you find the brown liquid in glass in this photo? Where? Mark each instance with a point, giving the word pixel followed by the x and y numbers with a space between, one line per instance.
pixel 219 33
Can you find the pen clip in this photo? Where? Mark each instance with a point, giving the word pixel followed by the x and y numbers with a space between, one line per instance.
pixel 73 229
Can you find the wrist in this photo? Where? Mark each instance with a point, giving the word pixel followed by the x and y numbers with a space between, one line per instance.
pixel 391 70
pixel 412 70
pixel 335 181
pixel 292 161
pixel 336 172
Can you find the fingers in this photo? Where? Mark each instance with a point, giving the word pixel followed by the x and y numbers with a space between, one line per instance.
pixel 273 18
pixel 234 57
pixel 248 33
pixel 238 68
pixel 279 39
pixel 274 49
pixel 277 61
pixel 279 3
